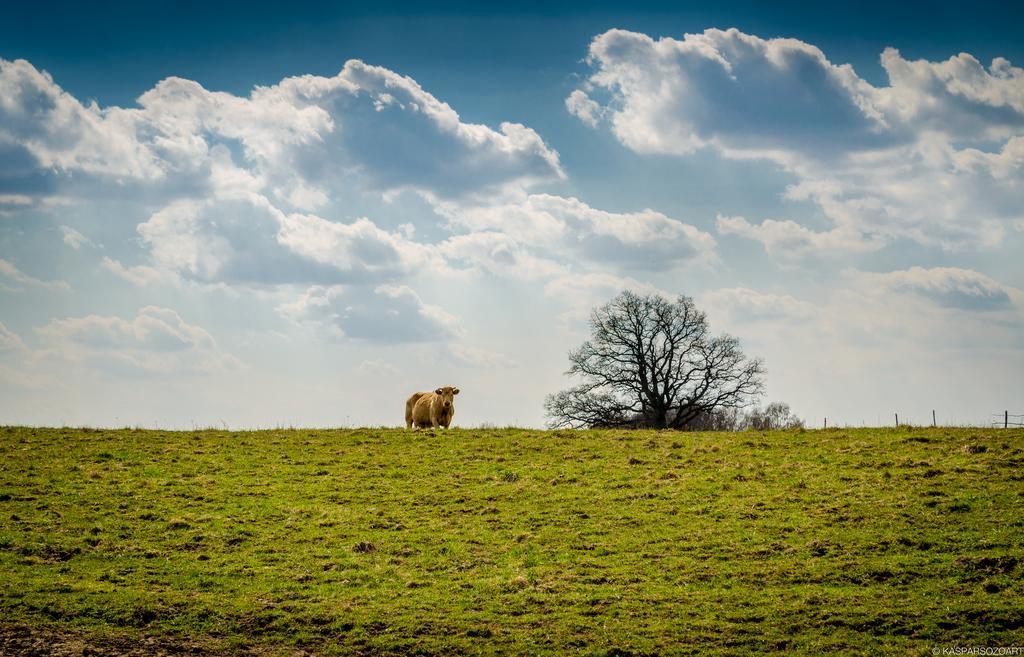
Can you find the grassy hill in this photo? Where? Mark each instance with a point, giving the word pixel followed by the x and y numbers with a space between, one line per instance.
pixel 510 541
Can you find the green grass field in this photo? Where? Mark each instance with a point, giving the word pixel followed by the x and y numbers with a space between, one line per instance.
pixel 893 541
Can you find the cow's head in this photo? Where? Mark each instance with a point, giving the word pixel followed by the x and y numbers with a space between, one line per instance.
pixel 447 395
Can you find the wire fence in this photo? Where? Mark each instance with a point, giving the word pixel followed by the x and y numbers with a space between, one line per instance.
pixel 1007 420
pixel 1003 420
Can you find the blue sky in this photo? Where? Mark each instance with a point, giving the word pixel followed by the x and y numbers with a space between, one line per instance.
pixel 264 216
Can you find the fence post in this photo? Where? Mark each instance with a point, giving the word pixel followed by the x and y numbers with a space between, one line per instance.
pixel 897 420
pixel 933 418
pixel 1006 419
pixel 826 423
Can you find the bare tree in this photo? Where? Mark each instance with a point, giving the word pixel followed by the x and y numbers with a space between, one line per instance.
pixel 652 362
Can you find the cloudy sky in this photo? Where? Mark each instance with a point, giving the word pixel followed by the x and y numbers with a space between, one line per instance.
pixel 260 216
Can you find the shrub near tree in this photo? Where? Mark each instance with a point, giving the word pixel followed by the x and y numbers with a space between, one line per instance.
pixel 774 416
pixel 652 362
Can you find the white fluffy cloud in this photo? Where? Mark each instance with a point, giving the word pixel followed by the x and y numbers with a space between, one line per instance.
pixel 384 314
pixel 9 340
pixel 246 239
pixel 583 107
pixel 742 94
pixel 13 279
pixel 742 304
pixel 496 253
pixel 294 138
pixel 568 227
pixel 948 287
pixel 790 241
pixel 943 308
pixel 9 202
pixel 959 96
pixel 156 340
pixel 57 131
pixel 912 160
pixel 249 240
pixel 139 275
pixel 73 238
pixel 780 98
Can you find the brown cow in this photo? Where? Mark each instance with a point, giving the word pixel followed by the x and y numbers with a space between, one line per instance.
pixel 431 409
